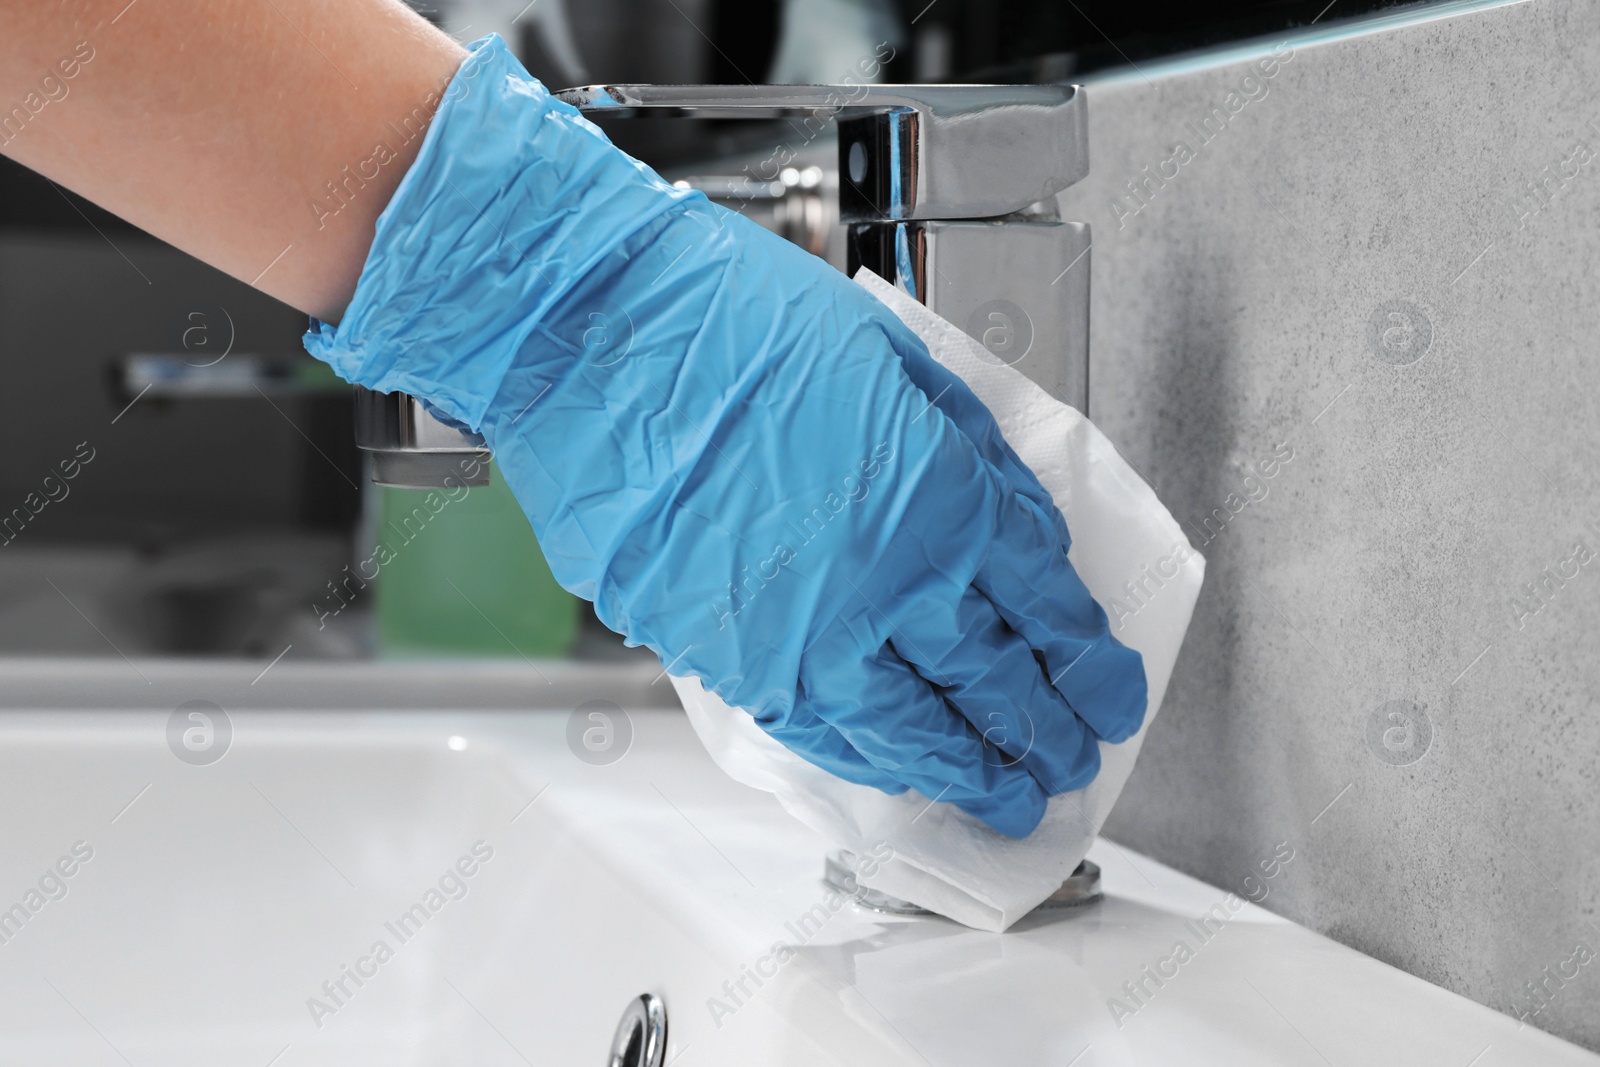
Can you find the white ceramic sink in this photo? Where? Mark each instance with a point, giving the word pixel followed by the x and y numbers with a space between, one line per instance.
pixel 219 899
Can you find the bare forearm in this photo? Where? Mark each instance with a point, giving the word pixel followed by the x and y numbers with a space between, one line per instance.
pixel 262 136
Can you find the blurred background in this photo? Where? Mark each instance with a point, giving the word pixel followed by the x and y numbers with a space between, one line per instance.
pixel 216 504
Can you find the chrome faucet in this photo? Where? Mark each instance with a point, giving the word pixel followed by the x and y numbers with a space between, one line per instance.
pixel 946 191
pixel 411 449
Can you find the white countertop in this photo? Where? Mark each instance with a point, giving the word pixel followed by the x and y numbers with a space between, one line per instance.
pixel 219 898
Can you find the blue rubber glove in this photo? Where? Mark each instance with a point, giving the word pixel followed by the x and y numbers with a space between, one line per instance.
pixel 747 462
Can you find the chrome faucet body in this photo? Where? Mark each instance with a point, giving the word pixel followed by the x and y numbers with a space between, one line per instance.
pixel 947 191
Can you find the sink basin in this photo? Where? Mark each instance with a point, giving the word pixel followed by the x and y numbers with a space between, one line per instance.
pixel 233 913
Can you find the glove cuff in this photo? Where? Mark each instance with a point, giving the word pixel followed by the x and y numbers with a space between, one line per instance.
pixel 483 237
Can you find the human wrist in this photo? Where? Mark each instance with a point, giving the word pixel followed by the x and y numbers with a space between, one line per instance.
pixel 493 217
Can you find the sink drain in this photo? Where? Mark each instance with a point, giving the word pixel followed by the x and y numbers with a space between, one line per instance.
pixel 641 1038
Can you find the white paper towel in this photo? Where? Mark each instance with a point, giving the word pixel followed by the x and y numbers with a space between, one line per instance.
pixel 1137 563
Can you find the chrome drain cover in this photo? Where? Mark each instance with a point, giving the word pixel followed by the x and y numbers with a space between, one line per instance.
pixel 641 1038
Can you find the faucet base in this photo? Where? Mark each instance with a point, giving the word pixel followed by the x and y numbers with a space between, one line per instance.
pixel 838 870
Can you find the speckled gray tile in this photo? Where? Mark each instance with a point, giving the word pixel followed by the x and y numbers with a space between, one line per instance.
pixel 1349 273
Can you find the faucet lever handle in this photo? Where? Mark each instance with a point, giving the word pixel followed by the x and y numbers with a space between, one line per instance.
pixel 906 152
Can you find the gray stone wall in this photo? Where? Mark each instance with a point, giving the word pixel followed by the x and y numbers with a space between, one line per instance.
pixel 1369 267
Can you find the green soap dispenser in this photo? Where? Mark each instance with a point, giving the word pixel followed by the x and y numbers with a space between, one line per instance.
pixel 463 576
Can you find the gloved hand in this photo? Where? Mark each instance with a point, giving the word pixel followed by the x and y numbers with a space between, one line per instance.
pixel 747 462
